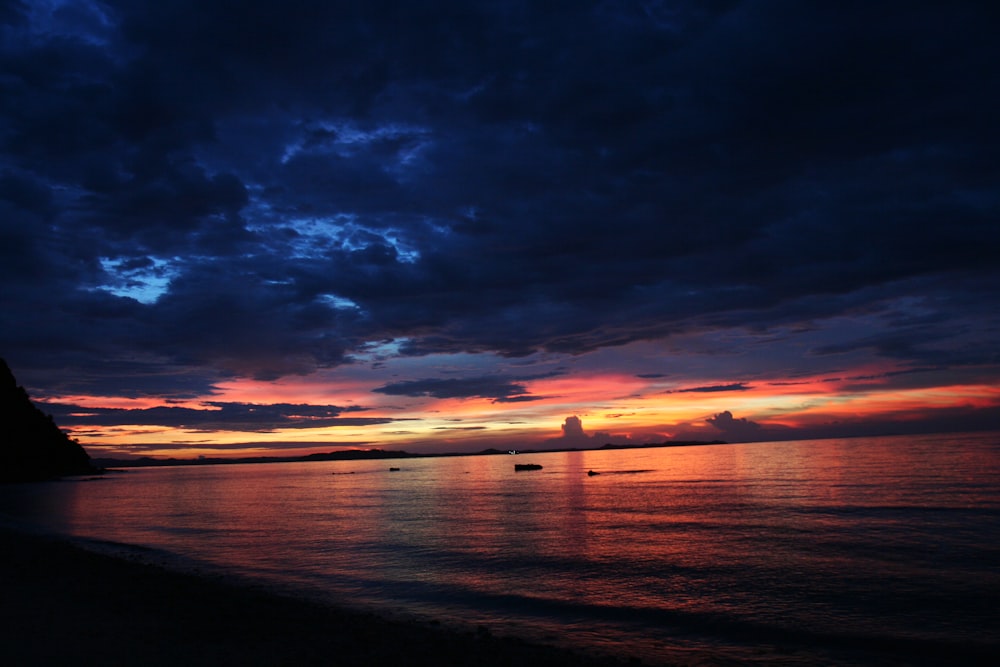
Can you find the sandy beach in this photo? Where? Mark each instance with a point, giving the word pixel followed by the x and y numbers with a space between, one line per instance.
pixel 62 604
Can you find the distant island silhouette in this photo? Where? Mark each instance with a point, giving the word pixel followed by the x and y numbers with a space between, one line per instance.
pixel 377 454
pixel 32 448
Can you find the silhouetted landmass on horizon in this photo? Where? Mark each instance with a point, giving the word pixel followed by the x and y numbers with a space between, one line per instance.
pixel 376 454
pixel 345 455
pixel 32 448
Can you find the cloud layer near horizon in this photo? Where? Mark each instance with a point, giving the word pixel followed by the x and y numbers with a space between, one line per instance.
pixel 193 192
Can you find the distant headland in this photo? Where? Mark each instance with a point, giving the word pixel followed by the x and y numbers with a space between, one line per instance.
pixel 32 448
pixel 377 454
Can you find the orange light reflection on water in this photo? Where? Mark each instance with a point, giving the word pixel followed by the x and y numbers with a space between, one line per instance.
pixel 701 530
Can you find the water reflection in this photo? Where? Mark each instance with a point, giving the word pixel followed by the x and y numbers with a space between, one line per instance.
pixel 885 537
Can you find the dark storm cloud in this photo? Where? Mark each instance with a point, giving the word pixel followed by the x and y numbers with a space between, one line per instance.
pixel 924 420
pixel 215 416
pixel 736 386
pixel 134 449
pixel 459 428
pixel 499 389
pixel 124 378
pixel 739 429
pixel 485 176
pixel 523 398
pixel 574 435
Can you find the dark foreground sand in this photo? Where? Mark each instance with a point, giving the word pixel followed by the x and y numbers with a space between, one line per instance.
pixel 63 605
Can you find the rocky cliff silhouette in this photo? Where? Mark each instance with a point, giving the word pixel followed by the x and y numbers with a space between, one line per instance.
pixel 32 448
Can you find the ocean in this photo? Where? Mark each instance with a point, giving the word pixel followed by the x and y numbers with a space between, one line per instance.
pixel 862 551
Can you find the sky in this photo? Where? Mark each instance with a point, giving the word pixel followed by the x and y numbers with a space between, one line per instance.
pixel 237 227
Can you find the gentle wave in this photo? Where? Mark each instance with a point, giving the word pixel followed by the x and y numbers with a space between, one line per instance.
pixel 864 551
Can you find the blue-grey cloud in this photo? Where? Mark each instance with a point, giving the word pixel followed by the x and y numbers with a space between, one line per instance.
pixel 261 188
pixel 714 388
pixel 739 429
pixel 499 389
pixel 215 416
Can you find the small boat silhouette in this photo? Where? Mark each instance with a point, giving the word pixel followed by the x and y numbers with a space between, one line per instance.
pixel 518 467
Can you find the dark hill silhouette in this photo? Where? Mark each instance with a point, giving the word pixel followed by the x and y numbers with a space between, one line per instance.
pixel 32 448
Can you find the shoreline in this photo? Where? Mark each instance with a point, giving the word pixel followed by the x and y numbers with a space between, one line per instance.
pixel 63 603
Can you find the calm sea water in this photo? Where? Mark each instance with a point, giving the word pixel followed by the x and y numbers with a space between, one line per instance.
pixel 855 551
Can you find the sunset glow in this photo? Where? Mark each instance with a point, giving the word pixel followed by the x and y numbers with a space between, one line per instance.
pixel 612 407
pixel 448 228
